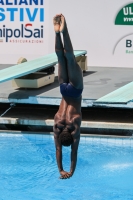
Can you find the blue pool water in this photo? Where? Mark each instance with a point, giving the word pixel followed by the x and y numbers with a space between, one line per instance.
pixel 28 169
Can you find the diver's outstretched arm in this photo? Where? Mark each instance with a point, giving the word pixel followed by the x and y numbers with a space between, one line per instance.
pixel 64 174
pixel 74 150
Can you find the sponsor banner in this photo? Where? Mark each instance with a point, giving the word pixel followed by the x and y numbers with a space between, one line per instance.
pixel 125 15
pixel 22 29
pixel 103 28
pixel 124 45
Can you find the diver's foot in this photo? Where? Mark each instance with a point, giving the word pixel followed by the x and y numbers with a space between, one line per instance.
pixel 57 22
pixel 63 26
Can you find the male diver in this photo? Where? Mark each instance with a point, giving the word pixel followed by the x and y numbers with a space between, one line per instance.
pixel 67 120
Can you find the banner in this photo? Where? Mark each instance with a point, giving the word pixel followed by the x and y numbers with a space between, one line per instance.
pixel 22 29
pixel 103 28
pixel 124 45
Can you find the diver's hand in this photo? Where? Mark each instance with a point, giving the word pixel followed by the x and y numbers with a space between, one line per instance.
pixel 65 175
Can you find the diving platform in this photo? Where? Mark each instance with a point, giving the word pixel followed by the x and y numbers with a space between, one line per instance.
pixel 32 66
pixel 122 95
pixel 99 83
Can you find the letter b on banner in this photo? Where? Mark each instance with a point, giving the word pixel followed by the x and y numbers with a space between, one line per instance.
pixel 128 43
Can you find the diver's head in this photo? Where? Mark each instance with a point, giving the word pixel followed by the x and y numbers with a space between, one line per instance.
pixel 65 137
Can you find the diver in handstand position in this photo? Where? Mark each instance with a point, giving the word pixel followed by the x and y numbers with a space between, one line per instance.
pixel 67 120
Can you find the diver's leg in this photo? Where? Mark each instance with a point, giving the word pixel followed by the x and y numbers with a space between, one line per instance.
pixel 74 71
pixel 62 65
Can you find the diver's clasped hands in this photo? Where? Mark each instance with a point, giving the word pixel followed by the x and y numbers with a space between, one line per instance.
pixel 65 175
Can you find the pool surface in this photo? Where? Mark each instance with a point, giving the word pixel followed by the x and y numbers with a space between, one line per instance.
pixel 28 169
